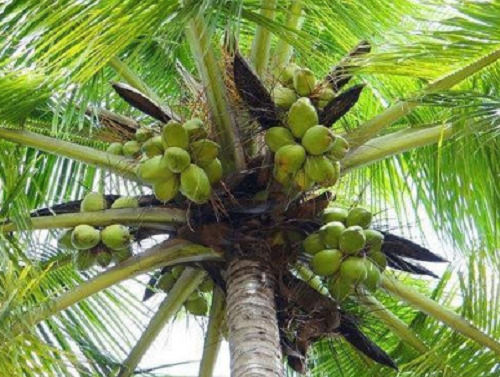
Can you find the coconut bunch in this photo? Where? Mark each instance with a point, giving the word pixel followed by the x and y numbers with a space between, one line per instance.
pixel 346 252
pixel 197 303
pixel 102 245
pixel 180 160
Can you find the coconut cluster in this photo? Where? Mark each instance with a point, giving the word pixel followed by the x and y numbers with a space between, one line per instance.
pixel 306 152
pixel 346 251
pixel 196 303
pixel 102 245
pixel 181 159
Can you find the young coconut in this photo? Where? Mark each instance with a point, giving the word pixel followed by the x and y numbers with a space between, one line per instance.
pixel 214 171
pixel 374 240
pixel 359 216
pixel 204 151
pixel 283 97
pixel 320 169
pixel 131 148
pixel 116 237
pixel 195 184
pixel 153 147
pixel 339 288
pixel 166 282
pixel 302 181
pixel 206 285
pixel 318 140
pixel 372 280
pixel 352 240
pixel 290 158
pixel 174 135
pixel 177 271
pixel 301 116
pixel 125 202
pixel 198 306
pixel 304 81
pixel 285 76
pixel 115 148
pixel 353 270
pixel 330 233
pixel 83 259
pixel 93 201
pixel 380 259
pixel 122 255
pixel 143 133
pixel 85 237
pixel 154 170
pixel 326 262
pixel 339 148
pixel 313 244
pixel 64 240
pixel 168 189
pixel 282 177
pixel 277 137
pixel 195 129
pixel 335 214
pixel 325 95
pixel 177 159
pixel 103 258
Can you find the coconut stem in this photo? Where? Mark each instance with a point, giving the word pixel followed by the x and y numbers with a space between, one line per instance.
pixel 259 55
pixel 226 130
pixel 397 142
pixel 168 253
pixel 311 278
pixel 213 336
pixel 183 287
pixel 372 127
pixel 121 165
pixel 284 49
pixel 438 312
pixel 126 216
pixel 395 324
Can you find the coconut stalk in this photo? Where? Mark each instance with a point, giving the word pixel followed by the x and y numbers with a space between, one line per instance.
pixel 168 253
pixel 395 143
pixel 401 108
pixel 438 312
pixel 254 341
pixel 189 280
pixel 313 280
pixel 213 335
pixel 152 216
pixel 226 130
pixel 261 45
pixel 283 49
pixel 118 164
pixel 396 325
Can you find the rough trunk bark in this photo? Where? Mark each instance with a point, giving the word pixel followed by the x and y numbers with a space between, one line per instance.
pixel 251 316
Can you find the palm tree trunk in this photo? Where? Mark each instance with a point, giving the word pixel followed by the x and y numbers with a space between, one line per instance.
pixel 251 314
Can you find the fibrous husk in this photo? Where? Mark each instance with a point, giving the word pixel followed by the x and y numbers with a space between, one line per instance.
pixel 321 170
pixel 167 189
pixel 301 116
pixel 379 259
pixel 142 134
pixel 353 270
pixel 116 236
pixel 214 171
pixel 166 282
pixel 339 148
pixel 195 129
pixel 313 244
pixel 372 280
pixel 197 306
pixel 285 76
pixel 153 147
pixel 103 258
pixel 177 159
pixel 339 288
pixel 302 180
pixel 290 158
pixel 204 151
pixel 122 255
pixel 115 148
pixel 359 216
pixel 304 81
pixel 335 214
pixel 93 201
pixel 131 148
pixel 125 202
pixel 174 135
pixel 330 233
pixel 195 184
pixel 64 240
pixel 374 239
pixel 84 259
pixel 85 237
pixel 276 137
pixel 318 140
pixel 326 262
pixel 352 240
pixel 283 97
pixel 154 170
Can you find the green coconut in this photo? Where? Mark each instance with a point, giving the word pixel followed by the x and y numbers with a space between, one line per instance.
pixel 125 202
pixel 290 158
pixel 380 259
pixel 352 240
pixel 304 81
pixel 335 214
pixel 104 258
pixel 320 169
pixel 302 180
pixel 339 148
pixel 84 259
pixel 374 240
pixel 301 116
pixel 372 280
pixel 214 171
pixel 277 137
pixel 115 148
pixel 325 95
pixel 195 184
pixel 330 233
pixel 122 255
pixel 282 177
pixel 359 216
pixel 326 262
pixel 198 306
pixel 64 240
pixel 153 170
pixel 177 159
pixel 318 140
pixel 85 237
pixel 93 201
pixel 177 271
pixel 283 97
pixel 143 133
pixel 131 148
pixel 353 270
pixel 313 244
pixel 166 282
pixel 195 129
pixel 168 189
pixel 153 147
pixel 174 135
pixel 206 285
pixel 339 288
pixel 116 236
pixel 285 76
pixel 204 151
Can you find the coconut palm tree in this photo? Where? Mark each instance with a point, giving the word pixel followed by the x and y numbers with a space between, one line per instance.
pixel 413 89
